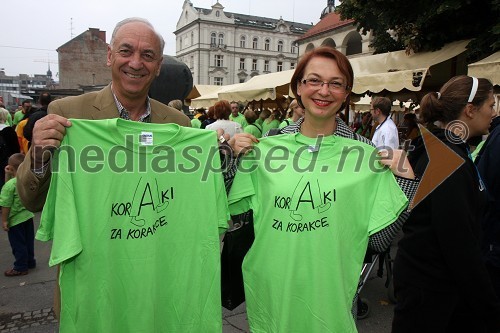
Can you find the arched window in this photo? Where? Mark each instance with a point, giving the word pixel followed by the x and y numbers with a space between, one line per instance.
pixel 192 38
pixel 293 48
pixel 280 46
pixel 213 39
pixel 217 13
pixel 266 44
pixel 243 41
pixel 221 39
pixel 255 43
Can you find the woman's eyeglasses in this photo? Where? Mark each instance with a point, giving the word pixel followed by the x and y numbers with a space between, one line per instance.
pixel 332 86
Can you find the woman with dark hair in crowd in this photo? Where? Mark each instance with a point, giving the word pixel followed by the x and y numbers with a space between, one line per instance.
pixel 440 280
pixel 210 117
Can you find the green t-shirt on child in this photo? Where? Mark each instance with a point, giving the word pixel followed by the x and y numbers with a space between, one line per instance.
pixel 10 198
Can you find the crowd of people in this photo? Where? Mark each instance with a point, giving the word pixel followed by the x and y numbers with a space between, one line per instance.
pixel 15 139
pixel 302 271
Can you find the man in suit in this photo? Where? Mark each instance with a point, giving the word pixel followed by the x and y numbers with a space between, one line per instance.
pixel 135 56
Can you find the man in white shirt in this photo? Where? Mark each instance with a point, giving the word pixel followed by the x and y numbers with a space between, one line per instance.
pixel 386 133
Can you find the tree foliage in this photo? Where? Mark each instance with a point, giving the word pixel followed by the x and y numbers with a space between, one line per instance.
pixel 426 25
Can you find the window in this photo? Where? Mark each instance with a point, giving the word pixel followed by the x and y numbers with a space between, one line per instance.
pixel 254 64
pixel 217 13
pixel 219 60
pixel 218 81
pixel 180 42
pixel 242 80
pixel 243 41
pixel 280 46
pixel 292 65
pixel 221 39
pixel 266 44
pixel 266 66
pixel 293 48
pixel 192 38
pixel 213 39
pixel 255 42
pixel 191 62
pixel 280 66
pixel 242 63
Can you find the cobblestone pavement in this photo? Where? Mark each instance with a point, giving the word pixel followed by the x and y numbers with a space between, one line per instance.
pixel 12 322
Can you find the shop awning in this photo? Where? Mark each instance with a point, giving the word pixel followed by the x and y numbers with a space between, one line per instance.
pixel 208 99
pixel 488 68
pixel 396 71
pixel 270 86
pixel 201 89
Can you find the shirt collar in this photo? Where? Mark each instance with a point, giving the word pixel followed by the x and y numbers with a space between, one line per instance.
pixel 342 129
pixel 124 114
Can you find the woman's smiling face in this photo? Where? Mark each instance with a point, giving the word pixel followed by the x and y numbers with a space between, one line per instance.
pixel 322 101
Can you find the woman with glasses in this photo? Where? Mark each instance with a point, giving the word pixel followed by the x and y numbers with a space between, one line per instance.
pixel 302 271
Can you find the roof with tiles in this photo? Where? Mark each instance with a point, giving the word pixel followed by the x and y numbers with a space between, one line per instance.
pixel 259 22
pixel 329 22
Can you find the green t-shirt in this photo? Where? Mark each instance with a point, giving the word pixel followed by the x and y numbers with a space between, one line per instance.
pixel 195 123
pixel 240 119
pixel 135 256
pixel 266 126
pixel 286 122
pixel 254 129
pixel 10 198
pixel 18 116
pixel 313 214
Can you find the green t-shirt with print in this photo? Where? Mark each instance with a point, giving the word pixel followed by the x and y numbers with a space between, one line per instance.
pixel 134 254
pixel 10 198
pixel 314 210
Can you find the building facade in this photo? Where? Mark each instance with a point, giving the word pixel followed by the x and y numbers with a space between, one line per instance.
pixel 222 48
pixel 82 60
pixel 332 31
pixel 15 89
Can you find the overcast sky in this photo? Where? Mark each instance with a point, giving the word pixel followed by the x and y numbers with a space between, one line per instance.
pixel 31 30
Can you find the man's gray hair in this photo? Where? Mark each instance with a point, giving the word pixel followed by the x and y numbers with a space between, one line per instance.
pixel 133 20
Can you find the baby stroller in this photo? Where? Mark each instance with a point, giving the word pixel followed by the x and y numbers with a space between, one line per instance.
pixel 361 308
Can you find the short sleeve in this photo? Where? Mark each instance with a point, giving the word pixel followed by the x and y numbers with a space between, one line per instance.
pixel 243 188
pixel 221 201
pixel 388 202
pixel 7 194
pixel 59 221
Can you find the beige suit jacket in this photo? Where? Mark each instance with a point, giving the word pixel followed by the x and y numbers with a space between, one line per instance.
pixel 95 105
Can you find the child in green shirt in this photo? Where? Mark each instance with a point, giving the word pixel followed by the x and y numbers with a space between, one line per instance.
pixel 17 221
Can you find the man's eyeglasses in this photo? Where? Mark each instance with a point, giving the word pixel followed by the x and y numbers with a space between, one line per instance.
pixel 332 86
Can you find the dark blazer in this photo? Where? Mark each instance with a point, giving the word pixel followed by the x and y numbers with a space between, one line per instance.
pixel 95 105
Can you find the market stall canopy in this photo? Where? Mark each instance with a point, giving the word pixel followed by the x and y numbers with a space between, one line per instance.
pixel 209 99
pixel 363 104
pixel 200 90
pixel 270 86
pixel 396 71
pixel 488 68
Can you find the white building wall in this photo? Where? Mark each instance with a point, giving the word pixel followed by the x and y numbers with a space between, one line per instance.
pixel 195 28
